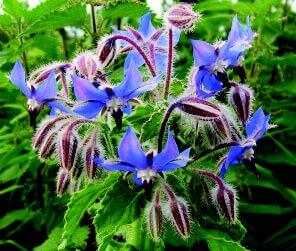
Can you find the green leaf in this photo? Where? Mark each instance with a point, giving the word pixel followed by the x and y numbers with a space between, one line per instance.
pixel 81 201
pixel 23 215
pixel 10 189
pixel 14 8
pixel 51 244
pixel 125 10
pixel 224 245
pixel 120 206
pixel 72 17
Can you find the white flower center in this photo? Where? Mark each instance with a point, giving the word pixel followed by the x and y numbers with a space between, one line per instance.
pixel 248 154
pixel 33 104
pixel 114 104
pixel 146 175
pixel 220 65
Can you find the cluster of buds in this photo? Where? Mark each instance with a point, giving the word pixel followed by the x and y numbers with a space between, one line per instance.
pixel 173 208
pixel 58 137
pixel 223 196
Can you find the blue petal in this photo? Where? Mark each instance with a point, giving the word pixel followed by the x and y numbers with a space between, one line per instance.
pixel 89 110
pixel 257 125
pixel 145 87
pixel 85 91
pixel 131 82
pixel 135 57
pixel 180 161
pixel 130 150
pixel 48 88
pixel 206 84
pixel 58 105
pixel 163 40
pixel 168 154
pixel 115 165
pixel 161 62
pixel 204 53
pixel 145 27
pixel 234 156
pixel 137 180
pixel 18 77
pixel 127 109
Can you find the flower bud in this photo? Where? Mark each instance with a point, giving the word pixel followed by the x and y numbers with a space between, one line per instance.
pixel 241 99
pixel 178 212
pixel 63 182
pixel 224 197
pixel 91 151
pixel 45 128
pixel 68 144
pixel 106 51
pixel 155 220
pixel 48 146
pixel 182 17
pixel 87 65
pixel 201 109
pixel 222 127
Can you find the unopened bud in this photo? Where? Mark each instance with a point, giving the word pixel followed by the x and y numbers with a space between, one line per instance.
pixel 222 127
pixel 48 146
pixel 63 182
pixel 106 51
pixel 45 128
pixel 224 197
pixel 155 220
pixel 201 109
pixel 241 99
pixel 178 212
pixel 87 65
pixel 68 144
pixel 91 151
pixel 182 17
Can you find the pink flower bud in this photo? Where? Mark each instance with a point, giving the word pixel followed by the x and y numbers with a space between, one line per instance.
pixel 68 144
pixel 182 17
pixel 106 51
pixel 44 129
pixel 155 220
pixel 241 100
pixel 224 197
pixel 87 65
pixel 201 109
pixel 91 151
pixel 222 127
pixel 178 212
pixel 63 182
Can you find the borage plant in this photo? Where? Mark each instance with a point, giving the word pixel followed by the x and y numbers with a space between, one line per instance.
pixel 170 192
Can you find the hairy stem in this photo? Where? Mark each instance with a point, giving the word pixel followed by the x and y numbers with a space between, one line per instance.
pixel 140 50
pixel 209 175
pixel 163 125
pixel 216 148
pixel 169 65
pixel 93 19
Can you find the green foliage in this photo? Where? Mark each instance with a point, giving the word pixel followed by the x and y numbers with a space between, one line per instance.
pixel 108 207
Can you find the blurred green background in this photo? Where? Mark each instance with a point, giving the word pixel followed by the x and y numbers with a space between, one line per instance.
pixel 58 30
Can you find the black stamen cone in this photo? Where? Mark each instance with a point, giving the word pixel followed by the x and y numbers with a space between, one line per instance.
pixel 250 165
pixel 117 115
pixel 33 117
pixel 148 189
pixel 240 71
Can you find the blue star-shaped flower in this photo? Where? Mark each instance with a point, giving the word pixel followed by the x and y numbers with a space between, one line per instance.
pixel 44 94
pixel 213 61
pixel 154 42
pixel 239 40
pixel 256 126
pixel 145 167
pixel 114 99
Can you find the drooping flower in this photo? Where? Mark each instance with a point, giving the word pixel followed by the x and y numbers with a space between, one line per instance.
pixel 239 40
pixel 44 94
pixel 153 41
pixel 115 99
pixel 145 167
pixel 256 127
pixel 212 61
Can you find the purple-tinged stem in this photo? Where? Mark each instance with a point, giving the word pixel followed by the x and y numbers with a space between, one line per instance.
pixel 216 148
pixel 209 175
pixel 140 50
pixel 163 125
pixel 169 65
pixel 93 19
